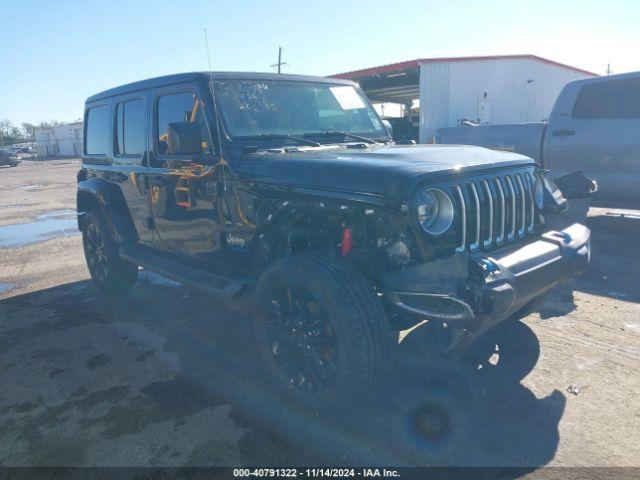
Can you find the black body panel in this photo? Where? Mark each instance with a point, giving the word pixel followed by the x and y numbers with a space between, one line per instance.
pixel 379 170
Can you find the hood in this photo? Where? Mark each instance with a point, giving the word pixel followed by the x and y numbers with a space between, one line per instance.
pixel 383 170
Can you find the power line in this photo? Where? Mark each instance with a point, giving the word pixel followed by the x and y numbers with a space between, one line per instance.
pixel 280 62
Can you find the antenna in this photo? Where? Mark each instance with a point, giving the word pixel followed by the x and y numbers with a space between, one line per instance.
pixel 206 42
pixel 213 98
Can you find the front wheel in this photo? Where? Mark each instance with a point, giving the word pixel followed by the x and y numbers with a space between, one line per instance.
pixel 111 273
pixel 321 329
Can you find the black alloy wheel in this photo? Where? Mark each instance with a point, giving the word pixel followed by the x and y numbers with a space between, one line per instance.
pixel 321 330
pixel 111 273
pixel 301 339
pixel 95 251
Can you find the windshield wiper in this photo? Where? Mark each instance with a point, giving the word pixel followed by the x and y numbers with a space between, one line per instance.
pixel 267 136
pixel 370 141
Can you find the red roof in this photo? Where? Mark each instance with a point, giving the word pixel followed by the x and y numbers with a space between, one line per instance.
pixel 394 67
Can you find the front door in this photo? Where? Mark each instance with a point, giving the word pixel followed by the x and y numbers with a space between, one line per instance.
pixel 183 178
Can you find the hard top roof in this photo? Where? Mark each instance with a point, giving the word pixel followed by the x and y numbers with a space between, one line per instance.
pixel 191 76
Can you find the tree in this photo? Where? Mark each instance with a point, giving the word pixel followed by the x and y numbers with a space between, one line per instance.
pixel 5 132
pixel 49 124
pixel 10 134
pixel 29 130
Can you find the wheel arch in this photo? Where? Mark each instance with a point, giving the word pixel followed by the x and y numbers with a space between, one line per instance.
pixel 99 196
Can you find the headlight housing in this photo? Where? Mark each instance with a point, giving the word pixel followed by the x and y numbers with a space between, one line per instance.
pixel 547 195
pixel 434 210
pixel 538 190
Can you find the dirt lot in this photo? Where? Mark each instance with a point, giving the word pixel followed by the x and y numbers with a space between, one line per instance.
pixel 165 377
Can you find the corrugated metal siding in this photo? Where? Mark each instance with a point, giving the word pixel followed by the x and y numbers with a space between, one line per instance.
pixel 434 97
pixel 451 91
pixel 65 139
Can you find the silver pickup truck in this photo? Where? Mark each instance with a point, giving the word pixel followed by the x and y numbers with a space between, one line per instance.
pixel 594 127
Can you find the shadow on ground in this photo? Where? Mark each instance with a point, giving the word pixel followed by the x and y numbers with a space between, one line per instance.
pixel 615 266
pixel 614 269
pixel 100 376
pixel 471 411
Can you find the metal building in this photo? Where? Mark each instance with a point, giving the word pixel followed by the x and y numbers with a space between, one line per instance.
pixel 60 140
pixel 444 92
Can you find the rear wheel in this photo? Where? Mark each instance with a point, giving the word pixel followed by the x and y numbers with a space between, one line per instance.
pixel 111 273
pixel 321 329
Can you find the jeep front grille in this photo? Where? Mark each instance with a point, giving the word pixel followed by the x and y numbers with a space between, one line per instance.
pixel 494 211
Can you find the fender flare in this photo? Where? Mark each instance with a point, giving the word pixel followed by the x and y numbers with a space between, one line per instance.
pixel 95 194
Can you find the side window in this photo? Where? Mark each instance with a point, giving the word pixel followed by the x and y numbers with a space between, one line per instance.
pixel 614 99
pixel 131 127
pixel 97 136
pixel 180 125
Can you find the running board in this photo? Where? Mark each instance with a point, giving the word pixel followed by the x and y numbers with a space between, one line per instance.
pixel 206 281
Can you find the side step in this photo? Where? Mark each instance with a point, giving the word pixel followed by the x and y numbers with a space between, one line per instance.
pixel 209 282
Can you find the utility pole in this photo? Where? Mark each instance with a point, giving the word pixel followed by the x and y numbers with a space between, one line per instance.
pixel 609 72
pixel 280 62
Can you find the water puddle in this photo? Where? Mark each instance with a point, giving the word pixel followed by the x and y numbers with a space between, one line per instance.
pixel 6 287
pixel 60 223
pixel 12 205
pixel 57 213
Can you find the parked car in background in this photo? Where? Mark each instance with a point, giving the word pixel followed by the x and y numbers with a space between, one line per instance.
pixel 7 157
pixel 594 127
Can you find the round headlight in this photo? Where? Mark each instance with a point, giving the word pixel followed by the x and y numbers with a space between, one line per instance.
pixel 538 191
pixel 434 209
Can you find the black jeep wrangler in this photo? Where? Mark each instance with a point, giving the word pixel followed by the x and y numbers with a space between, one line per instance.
pixel 290 188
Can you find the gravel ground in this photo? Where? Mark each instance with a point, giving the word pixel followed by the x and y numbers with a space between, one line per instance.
pixel 163 376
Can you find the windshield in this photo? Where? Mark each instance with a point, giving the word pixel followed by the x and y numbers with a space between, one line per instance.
pixel 251 108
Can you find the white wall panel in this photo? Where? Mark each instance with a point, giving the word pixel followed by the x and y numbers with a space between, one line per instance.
pixel 517 90
pixel 63 140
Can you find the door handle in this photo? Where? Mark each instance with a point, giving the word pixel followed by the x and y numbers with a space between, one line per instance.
pixel 563 132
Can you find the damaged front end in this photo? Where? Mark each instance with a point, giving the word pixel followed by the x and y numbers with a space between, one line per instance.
pixel 471 293
pixel 506 252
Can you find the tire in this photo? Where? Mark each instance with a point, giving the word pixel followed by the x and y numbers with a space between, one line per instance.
pixel 354 347
pixel 111 273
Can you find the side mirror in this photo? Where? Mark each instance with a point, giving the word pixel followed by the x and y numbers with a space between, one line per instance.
pixel 184 138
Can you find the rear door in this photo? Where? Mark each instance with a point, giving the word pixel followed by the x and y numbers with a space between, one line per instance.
pixel 596 128
pixel 129 165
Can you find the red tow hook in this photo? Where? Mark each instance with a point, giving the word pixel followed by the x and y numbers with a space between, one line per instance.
pixel 347 242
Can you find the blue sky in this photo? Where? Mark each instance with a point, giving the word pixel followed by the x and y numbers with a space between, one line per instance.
pixel 53 54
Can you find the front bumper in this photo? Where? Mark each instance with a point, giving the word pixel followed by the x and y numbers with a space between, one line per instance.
pixel 474 292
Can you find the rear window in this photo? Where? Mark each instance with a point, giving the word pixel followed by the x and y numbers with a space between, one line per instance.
pixel 131 127
pixel 97 131
pixel 615 99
